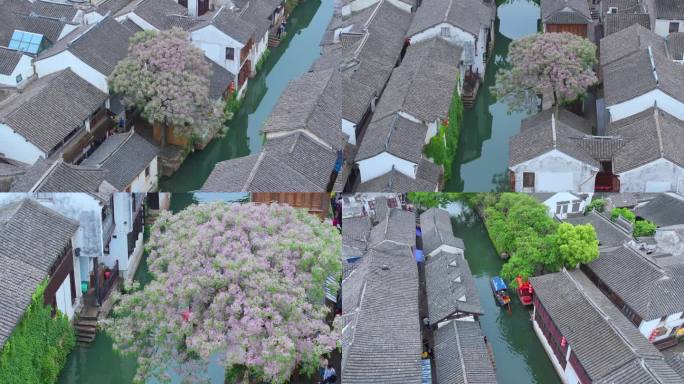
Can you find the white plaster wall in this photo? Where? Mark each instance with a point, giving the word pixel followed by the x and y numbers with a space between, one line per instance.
pixel 139 21
pixel 658 176
pixel 23 68
pixel 431 131
pixel 63 297
pixel 445 248
pixel 382 163
pixel 553 169
pixel 671 240
pixel 214 43
pixel 672 321
pixel 552 202
pixel 662 26
pixel 633 106
pixel 94 18
pixel 16 147
pixel 473 46
pixel 258 50
pixel 146 184
pixel 68 28
pixel 350 129
pixel 564 374
pixel 66 59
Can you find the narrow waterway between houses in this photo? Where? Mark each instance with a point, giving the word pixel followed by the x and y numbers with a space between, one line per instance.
pixel 519 356
pixel 98 362
pixel 297 51
pixel 482 158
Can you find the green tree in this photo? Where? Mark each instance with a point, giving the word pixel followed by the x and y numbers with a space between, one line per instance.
pixel 644 228
pixel 576 244
pixel 427 200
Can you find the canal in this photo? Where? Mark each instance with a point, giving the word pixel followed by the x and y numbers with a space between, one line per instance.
pixel 482 158
pixel 297 51
pixel 98 362
pixel 520 357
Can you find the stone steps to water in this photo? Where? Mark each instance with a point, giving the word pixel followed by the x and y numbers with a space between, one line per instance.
pixel 85 328
pixel 273 41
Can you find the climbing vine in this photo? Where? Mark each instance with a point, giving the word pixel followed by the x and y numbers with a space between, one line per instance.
pixel 442 147
pixel 38 347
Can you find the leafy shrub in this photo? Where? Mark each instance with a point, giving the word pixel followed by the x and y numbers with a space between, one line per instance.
pixel 38 347
pixel 597 205
pixel 643 228
pixel 624 212
pixel 442 147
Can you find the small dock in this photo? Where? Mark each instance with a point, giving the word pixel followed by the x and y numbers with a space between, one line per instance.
pixel 471 85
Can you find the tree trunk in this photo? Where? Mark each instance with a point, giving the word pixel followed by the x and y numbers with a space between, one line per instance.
pixel 162 133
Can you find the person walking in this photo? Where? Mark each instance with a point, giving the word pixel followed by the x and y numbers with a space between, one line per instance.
pixel 329 375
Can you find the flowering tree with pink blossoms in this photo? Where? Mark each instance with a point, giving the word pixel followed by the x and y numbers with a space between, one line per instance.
pixel 243 283
pixel 167 79
pixel 559 64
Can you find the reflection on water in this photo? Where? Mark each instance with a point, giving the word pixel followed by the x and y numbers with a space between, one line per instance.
pixel 482 157
pixel 292 58
pixel 520 357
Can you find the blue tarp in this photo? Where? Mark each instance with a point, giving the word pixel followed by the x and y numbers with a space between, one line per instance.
pixel 419 233
pixel 498 283
pixel 427 371
pixel 419 255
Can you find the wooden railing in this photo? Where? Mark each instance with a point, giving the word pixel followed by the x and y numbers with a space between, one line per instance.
pixel 108 283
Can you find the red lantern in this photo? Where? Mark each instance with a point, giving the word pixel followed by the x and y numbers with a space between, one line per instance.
pixel 446 122
pixel 231 87
pixel 564 342
pixel 186 315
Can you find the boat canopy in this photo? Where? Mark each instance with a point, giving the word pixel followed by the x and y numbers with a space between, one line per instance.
pixel 419 255
pixel 498 283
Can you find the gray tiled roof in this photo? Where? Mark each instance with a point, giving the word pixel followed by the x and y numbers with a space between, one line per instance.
pixel 124 156
pixel 424 84
pixel 675 45
pixel 9 59
pixel 623 6
pixel 633 76
pixel 286 164
pixel 664 210
pixel 66 12
pixel 435 225
pixel 395 135
pixel 384 345
pixel 219 81
pixel 8 17
pixel 113 6
pixel 51 107
pixel 102 46
pixel 44 176
pixel 603 340
pixel 233 25
pixel 627 41
pixel 357 99
pixel 608 234
pixel 398 226
pixel 657 292
pixel 647 136
pixel 538 137
pixel 450 287
pixel 48 27
pixel 468 15
pixel 355 231
pixel 669 9
pixel 427 179
pixel 311 102
pixel 461 356
pixel 258 13
pixel 164 14
pixel 550 9
pixel 32 237
pixel 616 22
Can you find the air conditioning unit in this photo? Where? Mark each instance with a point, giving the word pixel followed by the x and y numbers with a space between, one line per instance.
pixel 612 10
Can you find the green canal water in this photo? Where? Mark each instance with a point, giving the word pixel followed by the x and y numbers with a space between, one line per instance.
pixel 298 50
pixel 482 158
pixel 98 363
pixel 520 357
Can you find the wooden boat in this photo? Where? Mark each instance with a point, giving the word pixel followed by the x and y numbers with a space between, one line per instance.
pixel 500 291
pixel 524 291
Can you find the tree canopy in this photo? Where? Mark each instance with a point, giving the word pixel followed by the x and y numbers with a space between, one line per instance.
pixel 243 282
pixel 427 200
pixel 556 63
pixel 167 79
pixel 520 225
